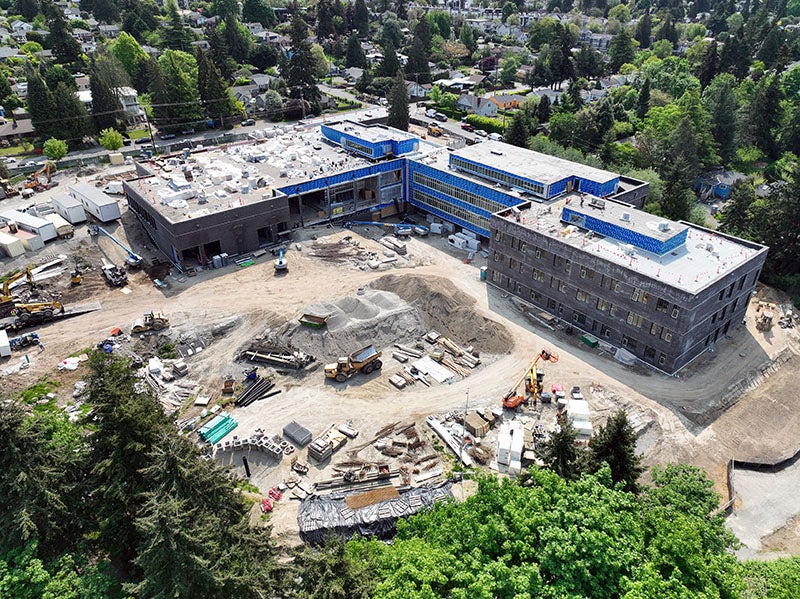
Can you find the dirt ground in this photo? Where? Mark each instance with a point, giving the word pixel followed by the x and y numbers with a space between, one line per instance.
pixel 697 417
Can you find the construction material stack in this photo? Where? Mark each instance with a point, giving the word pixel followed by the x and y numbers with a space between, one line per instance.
pixel 299 434
pixel 218 427
pixel 578 416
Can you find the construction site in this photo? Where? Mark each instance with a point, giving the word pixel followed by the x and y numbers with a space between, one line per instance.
pixel 352 372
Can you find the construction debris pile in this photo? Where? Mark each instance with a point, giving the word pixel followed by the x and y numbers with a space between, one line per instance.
pixel 267 350
pixel 373 513
pixel 441 363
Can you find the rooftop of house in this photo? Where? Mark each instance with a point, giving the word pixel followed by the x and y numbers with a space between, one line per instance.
pixel 702 257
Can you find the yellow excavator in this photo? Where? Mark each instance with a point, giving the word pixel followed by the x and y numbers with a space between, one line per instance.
pixel 35 182
pixel 533 381
pixel 24 311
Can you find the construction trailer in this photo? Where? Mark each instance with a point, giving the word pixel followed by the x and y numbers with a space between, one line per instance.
pixel 69 208
pixel 64 229
pixel 32 224
pixel 100 205
pixel 11 246
pixel 5 346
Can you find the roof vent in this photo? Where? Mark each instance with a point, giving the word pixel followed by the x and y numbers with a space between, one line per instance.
pixel 663 226
pixel 710 247
pixel 625 216
pixel 496 152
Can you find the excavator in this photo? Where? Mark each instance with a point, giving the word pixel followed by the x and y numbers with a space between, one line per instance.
pixel 7 301
pixel 533 381
pixel 35 182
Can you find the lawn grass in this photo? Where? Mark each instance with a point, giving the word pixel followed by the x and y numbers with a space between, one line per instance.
pixel 138 133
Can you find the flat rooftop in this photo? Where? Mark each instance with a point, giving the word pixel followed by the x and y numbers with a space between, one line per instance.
pixel 528 164
pixel 705 257
pixel 373 133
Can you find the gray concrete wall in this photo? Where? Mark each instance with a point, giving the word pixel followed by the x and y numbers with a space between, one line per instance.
pixel 692 319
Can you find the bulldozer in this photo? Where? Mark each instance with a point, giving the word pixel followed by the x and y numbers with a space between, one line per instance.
pixel 435 130
pixel 150 322
pixel 365 360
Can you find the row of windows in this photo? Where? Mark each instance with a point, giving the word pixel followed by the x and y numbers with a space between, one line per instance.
pixel 451 209
pixel 454 192
pixel 490 173
pixel 720 315
pixel 358 147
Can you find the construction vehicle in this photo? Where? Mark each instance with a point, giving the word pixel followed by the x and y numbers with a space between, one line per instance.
pixel 132 259
pixel 401 230
pixel 150 322
pixel 7 300
pixel 365 360
pixel 764 320
pixel 25 340
pixel 35 181
pixel 44 310
pixel 7 190
pixel 75 275
pixel 115 275
pixel 435 130
pixel 281 264
pixel 512 400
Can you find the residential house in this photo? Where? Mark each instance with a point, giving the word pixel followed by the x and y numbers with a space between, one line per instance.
pixel 109 31
pixel 194 18
pixel 598 41
pixel 254 28
pixel 86 39
pixel 71 13
pixel 539 92
pixel 477 105
pixel 6 53
pixel 717 184
pixel 203 45
pixel 85 96
pixel 20 89
pixel 353 73
pixel 262 81
pixel 418 91
pixel 129 99
pixel 82 82
pixel 21 26
pixel 506 101
pixel 16 129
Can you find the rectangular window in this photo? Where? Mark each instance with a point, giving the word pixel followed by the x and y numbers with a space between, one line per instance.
pixel 497 235
pixel 538 275
pixel 733 306
pixel 714 318
pixel 522 246
pixel 578 318
pixel 605 330
pixel 554 283
pixel 602 304
pixel 649 353
pixel 613 284
pixel 496 276
pixel 721 294
pixel 551 304
pixel 586 273
pixel 661 359
pixel 582 296
pixel 558 261
pixel 741 282
pixel 497 256
pixel 538 252
pixel 568 265
pixel 640 295
pixel 562 286
pixel 725 309
pixel 512 264
pixel 666 335
pixel 675 313
pixel 628 342
pixel 662 305
pixel 536 297
pixel 654 329
pixel 634 319
pixel 613 310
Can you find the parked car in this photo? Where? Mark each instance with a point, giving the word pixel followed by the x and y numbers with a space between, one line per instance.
pixel 248 122
pixel 9 160
pixel 188 131
pixel 430 113
pixel 440 117
pixel 495 137
pixel 142 140
pixel 166 136
pixel 467 127
pixel 481 132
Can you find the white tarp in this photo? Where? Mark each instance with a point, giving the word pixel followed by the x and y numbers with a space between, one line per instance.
pixel 625 357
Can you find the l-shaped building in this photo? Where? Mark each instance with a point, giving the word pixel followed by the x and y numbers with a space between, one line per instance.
pixel 567 238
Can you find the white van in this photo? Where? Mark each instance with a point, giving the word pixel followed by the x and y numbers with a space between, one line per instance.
pixel 495 137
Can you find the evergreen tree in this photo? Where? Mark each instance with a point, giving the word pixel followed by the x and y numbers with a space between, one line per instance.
pixel 140 17
pixel 390 63
pixel 225 8
pixel 719 99
pixel 58 74
pixel 27 8
pixel 679 171
pixel 710 66
pixel 735 218
pixel 764 115
pixel 214 91
pixel 361 18
pixel 106 11
pixel 467 37
pixel 543 109
pixel 106 76
pixel 258 11
pixel 324 20
pixel 643 102
pixel 417 65
pixel 5 87
pixel 65 48
pixel 300 77
pixel 621 50
pixel 176 35
pixel 518 131
pixel 263 56
pixel 667 31
pixel 644 29
pixel 560 453
pixel 237 38
pixel 790 133
pixel 422 32
pixel 355 53
pixel 42 107
pixel 615 444
pixel 398 103
pixel 219 51
pixel 175 95
pixel 735 55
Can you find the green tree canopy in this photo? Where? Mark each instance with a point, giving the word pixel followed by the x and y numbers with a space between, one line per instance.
pixel 111 139
pixel 398 104
pixel 55 149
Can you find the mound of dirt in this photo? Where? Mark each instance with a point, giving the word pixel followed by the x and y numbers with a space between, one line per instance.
pixel 448 310
pixel 355 321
